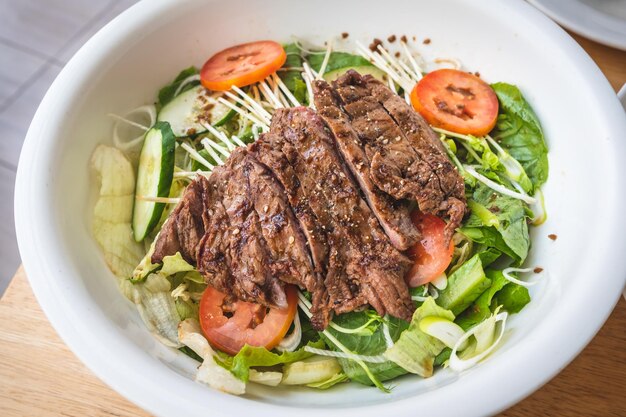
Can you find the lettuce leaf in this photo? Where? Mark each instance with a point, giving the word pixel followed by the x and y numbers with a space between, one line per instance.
pixel 166 94
pixel 113 212
pixel 416 351
pixel 337 60
pixel 293 79
pixel 251 356
pixel 504 229
pixel 519 132
pixel 370 343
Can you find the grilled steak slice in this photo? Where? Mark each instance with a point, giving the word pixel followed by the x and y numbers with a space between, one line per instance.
pixel 443 189
pixel 406 159
pixel 268 150
pixel 184 227
pixel 392 214
pixel 363 267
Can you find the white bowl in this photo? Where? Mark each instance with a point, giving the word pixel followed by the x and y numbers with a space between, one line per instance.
pixel 124 65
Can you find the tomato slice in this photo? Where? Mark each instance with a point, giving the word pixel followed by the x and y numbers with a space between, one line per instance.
pixel 229 326
pixel 456 101
pixel 431 254
pixel 242 65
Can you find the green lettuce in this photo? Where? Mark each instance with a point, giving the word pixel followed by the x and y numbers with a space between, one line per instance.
pixel 498 221
pixel 293 78
pixel 519 132
pixel 415 351
pixel 251 356
pixel 166 94
pixel 367 344
pixel 337 60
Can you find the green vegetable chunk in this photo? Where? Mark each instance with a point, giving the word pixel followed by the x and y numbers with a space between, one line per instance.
pixel 464 286
pixel 499 222
pixel 519 132
pixel 154 178
pixel 340 62
pixel 511 296
pixel 416 351
pixel 251 356
pixel 369 343
pixel 293 78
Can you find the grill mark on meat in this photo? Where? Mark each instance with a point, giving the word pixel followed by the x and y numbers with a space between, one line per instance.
pixel 291 259
pixel 359 250
pixel 393 215
pixel 408 160
pixel 184 228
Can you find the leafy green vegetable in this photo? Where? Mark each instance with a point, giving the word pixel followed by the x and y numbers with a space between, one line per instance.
pixel 513 298
pixel 464 286
pixel 506 230
pixel 415 351
pixel 338 60
pixel 166 94
pixel 293 78
pixel 519 132
pixel 186 309
pixel 250 356
pixel 113 211
pixel 503 292
pixel 442 357
pixel 373 344
pixel 488 255
pixel 195 165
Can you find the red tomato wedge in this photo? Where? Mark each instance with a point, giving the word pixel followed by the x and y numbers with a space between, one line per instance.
pixel 242 65
pixel 229 326
pixel 431 254
pixel 456 101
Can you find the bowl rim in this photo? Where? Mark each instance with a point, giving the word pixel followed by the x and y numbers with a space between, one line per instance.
pixel 144 390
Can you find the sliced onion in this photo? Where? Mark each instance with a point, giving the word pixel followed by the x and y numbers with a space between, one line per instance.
pixel 129 144
pixel 499 188
pixel 506 272
pixel 191 78
pixel 441 282
pixel 291 342
pixel 458 364
pixel 442 329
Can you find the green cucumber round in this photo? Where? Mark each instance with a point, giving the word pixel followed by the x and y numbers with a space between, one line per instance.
pixel 154 178
pixel 185 110
pixel 362 69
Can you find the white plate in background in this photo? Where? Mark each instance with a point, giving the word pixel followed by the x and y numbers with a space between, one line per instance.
pixel 603 21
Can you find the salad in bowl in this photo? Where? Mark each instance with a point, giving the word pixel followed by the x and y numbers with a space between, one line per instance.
pixel 292 214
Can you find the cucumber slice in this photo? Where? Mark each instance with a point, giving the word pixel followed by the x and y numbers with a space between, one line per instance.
pixel 363 70
pixel 465 285
pixel 154 178
pixel 185 111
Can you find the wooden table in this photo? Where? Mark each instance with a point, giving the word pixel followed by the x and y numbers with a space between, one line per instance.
pixel 39 376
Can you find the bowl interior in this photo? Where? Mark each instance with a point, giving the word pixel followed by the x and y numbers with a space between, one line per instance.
pixel 125 65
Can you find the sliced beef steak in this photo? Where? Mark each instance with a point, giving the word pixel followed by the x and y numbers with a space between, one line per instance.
pixel 404 156
pixel 184 227
pixel 392 214
pixel 444 197
pixel 362 266
pixel 250 241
